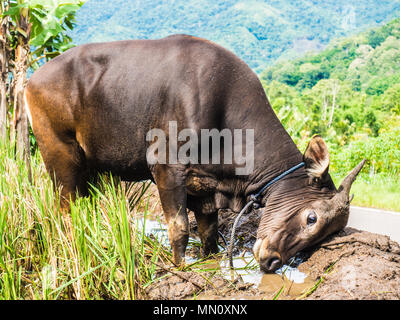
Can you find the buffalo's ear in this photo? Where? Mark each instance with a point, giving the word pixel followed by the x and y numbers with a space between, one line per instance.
pixel 316 158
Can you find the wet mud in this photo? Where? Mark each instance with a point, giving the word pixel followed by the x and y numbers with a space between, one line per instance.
pixel 355 265
pixel 351 264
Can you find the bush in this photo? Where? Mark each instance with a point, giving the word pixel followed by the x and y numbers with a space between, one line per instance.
pixel 382 154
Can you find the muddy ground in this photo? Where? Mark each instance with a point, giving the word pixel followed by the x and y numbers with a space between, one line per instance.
pixel 351 264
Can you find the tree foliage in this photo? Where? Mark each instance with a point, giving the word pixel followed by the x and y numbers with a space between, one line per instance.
pixel 32 31
pixel 349 93
pixel 50 21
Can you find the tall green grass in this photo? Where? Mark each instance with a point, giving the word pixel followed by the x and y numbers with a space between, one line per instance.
pixel 97 251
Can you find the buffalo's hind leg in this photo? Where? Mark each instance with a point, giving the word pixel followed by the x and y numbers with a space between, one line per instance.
pixel 65 162
pixel 170 180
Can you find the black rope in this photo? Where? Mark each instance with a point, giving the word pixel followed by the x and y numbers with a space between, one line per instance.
pixel 254 200
pixel 301 164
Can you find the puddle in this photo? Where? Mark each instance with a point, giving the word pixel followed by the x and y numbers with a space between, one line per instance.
pixel 288 281
pixel 154 227
pixel 280 286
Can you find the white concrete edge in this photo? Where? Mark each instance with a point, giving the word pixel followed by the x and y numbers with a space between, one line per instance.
pixel 376 221
pixel 374 210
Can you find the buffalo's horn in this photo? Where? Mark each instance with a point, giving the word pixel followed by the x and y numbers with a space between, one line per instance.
pixel 342 195
pixel 348 181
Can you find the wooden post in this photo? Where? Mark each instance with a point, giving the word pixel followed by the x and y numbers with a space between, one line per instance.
pixel 20 69
pixel 4 50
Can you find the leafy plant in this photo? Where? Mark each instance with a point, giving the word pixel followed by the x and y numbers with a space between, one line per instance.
pixel 32 31
pixel 50 21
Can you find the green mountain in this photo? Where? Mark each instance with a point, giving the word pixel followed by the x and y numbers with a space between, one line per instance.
pixel 368 62
pixel 350 94
pixel 258 31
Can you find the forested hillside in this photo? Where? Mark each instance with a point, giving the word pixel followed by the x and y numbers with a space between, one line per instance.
pixel 350 94
pixel 259 31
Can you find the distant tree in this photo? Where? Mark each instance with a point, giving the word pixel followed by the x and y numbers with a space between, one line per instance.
pixel 288 74
pixel 377 86
pixel 375 38
pixel 391 99
pixel 372 122
pixel 356 85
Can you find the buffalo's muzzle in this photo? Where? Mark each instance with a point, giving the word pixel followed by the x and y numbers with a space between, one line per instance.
pixel 269 260
pixel 271 263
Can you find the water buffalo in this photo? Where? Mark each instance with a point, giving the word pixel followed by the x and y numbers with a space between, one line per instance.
pixel 92 107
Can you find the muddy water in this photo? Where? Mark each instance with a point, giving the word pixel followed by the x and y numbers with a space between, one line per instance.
pixel 154 227
pixel 288 282
pixel 283 286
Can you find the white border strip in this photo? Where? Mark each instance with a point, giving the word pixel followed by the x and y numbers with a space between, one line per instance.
pixel 376 221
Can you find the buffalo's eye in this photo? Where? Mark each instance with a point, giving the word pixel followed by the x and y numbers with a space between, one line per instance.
pixel 315 180
pixel 311 218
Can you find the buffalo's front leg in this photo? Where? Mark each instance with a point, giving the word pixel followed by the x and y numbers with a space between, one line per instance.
pixel 170 182
pixel 207 225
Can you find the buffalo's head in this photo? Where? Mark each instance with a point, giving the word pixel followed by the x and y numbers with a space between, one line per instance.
pixel 302 209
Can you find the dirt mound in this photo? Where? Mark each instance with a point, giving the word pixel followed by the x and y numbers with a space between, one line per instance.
pixel 178 285
pixel 355 264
